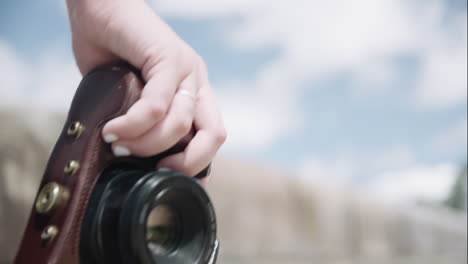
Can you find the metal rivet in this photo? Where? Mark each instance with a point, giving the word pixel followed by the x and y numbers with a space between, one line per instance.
pixel 51 196
pixel 72 167
pixel 49 233
pixel 75 129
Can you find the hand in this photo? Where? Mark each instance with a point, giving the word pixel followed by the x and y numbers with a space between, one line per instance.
pixel 177 94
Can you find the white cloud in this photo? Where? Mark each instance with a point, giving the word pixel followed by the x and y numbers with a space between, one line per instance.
pixel 419 183
pixel 14 71
pixel 260 112
pixel 317 39
pixel 452 140
pixel 393 175
pixel 393 158
pixel 337 172
pixel 443 81
pixel 254 123
pixel 57 78
pixel 345 167
pixel 443 78
pixel 49 82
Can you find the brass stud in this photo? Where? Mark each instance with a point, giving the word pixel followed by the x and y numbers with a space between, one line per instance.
pixel 51 196
pixel 75 129
pixel 72 167
pixel 49 233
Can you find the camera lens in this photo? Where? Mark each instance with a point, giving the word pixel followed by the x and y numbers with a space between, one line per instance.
pixel 162 229
pixel 147 217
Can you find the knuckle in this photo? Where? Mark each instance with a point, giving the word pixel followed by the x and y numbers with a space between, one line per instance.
pixel 145 147
pixel 178 56
pixel 146 152
pixel 156 111
pixel 220 135
pixel 187 51
pixel 183 126
pixel 201 63
pixel 138 148
pixel 203 68
pixel 187 59
pixel 154 58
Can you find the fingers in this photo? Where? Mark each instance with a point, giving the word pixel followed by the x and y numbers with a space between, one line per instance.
pixel 196 156
pixel 208 139
pixel 175 125
pixel 167 109
pixel 147 111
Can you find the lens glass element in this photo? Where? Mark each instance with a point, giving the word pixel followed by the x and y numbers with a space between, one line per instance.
pixel 162 228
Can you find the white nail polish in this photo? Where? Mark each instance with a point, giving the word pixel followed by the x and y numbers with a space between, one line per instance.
pixel 120 151
pixel 109 138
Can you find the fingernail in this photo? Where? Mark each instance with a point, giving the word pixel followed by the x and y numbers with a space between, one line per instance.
pixel 164 169
pixel 109 138
pixel 120 151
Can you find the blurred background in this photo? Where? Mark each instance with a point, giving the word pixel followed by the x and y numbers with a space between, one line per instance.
pixel 347 123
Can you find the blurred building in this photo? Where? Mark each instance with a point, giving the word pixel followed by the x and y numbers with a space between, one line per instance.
pixel 265 215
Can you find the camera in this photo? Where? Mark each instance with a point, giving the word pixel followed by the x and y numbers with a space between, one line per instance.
pixel 145 216
pixel 95 208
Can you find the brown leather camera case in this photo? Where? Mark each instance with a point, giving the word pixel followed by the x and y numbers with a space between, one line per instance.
pixel 77 159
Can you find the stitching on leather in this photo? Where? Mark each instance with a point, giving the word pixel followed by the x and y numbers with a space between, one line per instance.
pixel 90 183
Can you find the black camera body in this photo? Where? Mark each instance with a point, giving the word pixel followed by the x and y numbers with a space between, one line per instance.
pixel 137 215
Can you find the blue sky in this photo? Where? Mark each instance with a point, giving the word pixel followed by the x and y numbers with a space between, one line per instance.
pixel 368 93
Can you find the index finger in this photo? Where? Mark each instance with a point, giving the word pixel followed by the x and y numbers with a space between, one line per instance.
pixel 147 111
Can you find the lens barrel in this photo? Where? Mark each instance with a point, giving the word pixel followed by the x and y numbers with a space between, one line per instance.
pixel 148 217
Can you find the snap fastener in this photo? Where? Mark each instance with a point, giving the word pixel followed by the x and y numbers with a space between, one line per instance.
pixel 72 167
pixel 49 233
pixel 51 196
pixel 75 129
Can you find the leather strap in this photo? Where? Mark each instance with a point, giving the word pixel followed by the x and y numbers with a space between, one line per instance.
pixel 103 94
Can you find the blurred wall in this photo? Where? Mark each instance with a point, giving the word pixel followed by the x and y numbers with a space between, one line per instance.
pixel 265 216
pixel 270 217
pixel 26 138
